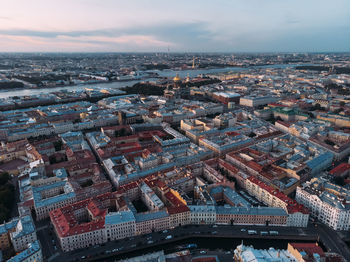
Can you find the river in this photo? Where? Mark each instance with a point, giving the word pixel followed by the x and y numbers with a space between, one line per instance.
pixel 225 244
pixel 164 73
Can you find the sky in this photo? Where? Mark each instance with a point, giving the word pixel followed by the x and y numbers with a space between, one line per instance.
pixel 180 26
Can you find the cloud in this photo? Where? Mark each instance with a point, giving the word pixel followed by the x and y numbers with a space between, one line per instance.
pixel 178 36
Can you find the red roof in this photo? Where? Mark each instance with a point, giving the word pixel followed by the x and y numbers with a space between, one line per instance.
pixel 177 206
pixel 277 105
pixel 177 210
pixel 204 259
pixel 232 133
pixel 283 123
pixel 308 248
pixel 228 166
pixel 66 224
pixel 340 169
pixel 291 205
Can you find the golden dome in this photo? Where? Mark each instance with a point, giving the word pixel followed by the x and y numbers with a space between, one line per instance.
pixel 177 78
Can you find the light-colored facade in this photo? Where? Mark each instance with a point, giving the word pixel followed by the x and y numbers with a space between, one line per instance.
pixel 32 253
pixel 298 215
pixel 326 206
pixel 253 101
pixel 249 253
pixel 203 214
pixel 19 232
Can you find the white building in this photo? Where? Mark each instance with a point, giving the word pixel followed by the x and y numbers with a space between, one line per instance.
pixel 298 215
pixel 203 214
pixel 49 197
pixel 330 204
pixel 248 254
pixel 24 233
pixel 30 254
pixel 253 101
pixel 150 198
pixel 120 225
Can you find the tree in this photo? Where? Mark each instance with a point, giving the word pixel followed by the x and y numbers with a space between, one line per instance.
pixel 52 159
pixel 329 142
pixel 317 106
pixel 122 132
pixel 337 111
pixel 4 178
pixel 86 183
pixel 271 119
pixel 342 103
pixel 58 145
pixel 339 181
pixel 7 197
pixel 252 134
pixel 278 118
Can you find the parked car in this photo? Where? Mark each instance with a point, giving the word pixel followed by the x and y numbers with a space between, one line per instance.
pixel 252 232
pixel 264 233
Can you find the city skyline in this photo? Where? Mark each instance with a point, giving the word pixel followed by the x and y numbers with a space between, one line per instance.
pixel 157 26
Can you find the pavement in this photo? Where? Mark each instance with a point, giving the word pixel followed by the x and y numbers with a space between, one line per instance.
pixel 48 240
pixel 332 241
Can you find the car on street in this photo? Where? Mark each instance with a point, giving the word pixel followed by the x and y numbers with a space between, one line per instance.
pixel 252 232
pixel 203 252
pixel 243 230
pixel 169 237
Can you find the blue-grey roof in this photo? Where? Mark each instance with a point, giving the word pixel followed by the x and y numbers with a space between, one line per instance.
pixel 150 216
pixel 39 201
pixel 25 226
pixel 60 173
pixel 7 226
pixel 234 197
pixel 325 157
pixel 265 211
pixel 31 250
pixel 202 208
pixel 115 218
pixel 216 190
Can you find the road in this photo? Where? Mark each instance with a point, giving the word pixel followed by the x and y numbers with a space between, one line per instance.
pixel 120 247
pixel 332 241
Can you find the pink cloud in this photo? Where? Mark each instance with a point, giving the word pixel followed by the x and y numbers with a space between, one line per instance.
pixel 80 43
